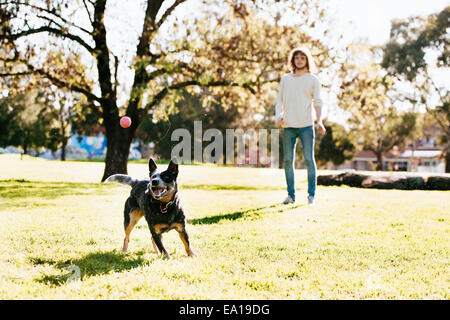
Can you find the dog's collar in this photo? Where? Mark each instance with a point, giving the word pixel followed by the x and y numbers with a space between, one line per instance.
pixel 164 208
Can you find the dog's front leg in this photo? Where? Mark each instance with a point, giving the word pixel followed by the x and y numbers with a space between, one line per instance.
pixel 184 238
pixel 155 247
pixel 158 242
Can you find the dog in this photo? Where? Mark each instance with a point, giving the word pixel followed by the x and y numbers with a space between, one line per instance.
pixel 158 201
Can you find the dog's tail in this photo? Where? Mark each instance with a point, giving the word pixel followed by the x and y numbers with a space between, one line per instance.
pixel 122 179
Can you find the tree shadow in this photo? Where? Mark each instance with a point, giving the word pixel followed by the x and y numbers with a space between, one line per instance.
pixel 93 264
pixel 250 213
pixel 20 188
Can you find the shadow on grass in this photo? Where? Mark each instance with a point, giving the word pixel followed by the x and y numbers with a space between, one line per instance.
pixel 93 264
pixel 250 213
pixel 21 188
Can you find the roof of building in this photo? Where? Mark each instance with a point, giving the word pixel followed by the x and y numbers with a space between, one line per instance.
pixel 418 153
pixel 421 153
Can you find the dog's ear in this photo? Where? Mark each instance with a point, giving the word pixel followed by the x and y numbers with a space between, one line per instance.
pixel 173 167
pixel 151 166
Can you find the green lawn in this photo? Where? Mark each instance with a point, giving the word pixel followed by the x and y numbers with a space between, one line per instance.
pixel 353 244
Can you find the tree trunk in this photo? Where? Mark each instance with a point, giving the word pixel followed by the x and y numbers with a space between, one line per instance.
pixel 117 148
pixel 447 161
pixel 63 149
pixel 379 161
pixel 116 156
pixel 63 134
pixel 25 140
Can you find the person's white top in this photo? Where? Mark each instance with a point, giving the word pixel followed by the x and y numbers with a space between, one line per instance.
pixel 295 98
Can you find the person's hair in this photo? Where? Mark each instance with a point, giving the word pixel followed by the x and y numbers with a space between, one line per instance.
pixel 310 66
pixel 291 60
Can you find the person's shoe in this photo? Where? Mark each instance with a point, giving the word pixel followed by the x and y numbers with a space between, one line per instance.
pixel 311 200
pixel 288 200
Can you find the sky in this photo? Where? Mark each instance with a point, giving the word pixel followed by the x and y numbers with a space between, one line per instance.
pixel 371 19
pixel 364 19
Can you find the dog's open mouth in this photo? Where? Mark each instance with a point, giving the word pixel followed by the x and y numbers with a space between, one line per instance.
pixel 159 192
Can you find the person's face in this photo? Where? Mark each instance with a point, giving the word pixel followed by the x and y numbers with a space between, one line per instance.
pixel 300 60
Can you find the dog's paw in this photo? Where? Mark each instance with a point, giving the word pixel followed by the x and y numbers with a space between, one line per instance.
pixel 165 257
pixel 191 254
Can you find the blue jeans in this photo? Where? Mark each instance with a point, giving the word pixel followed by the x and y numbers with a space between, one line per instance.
pixel 306 136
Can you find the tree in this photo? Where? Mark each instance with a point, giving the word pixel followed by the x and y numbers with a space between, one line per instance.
pixel 159 131
pixel 37 115
pixel 230 47
pixel 367 94
pixel 9 122
pixel 60 105
pixel 26 122
pixel 335 146
pixel 405 57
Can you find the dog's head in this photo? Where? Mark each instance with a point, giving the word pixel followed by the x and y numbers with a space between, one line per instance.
pixel 163 185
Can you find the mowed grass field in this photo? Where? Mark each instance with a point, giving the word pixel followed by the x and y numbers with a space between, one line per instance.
pixel 57 222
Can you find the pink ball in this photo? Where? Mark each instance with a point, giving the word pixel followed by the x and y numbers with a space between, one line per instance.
pixel 125 122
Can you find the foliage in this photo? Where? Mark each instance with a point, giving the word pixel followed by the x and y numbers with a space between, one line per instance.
pixel 405 57
pixel 26 122
pixel 37 117
pixel 10 133
pixel 367 94
pixel 336 146
pixel 411 38
pixel 61 108
pixel 188 109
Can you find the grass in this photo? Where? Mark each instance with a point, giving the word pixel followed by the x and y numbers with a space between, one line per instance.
pixel 57 220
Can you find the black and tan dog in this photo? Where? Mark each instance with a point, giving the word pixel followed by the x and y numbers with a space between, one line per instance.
pixel 158 201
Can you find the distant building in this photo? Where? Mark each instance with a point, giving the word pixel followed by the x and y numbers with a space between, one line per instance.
pixel 424 157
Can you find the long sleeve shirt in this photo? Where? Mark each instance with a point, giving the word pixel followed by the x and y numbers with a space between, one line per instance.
pixel 295 99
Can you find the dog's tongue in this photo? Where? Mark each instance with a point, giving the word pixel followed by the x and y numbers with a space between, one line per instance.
pixel 158 191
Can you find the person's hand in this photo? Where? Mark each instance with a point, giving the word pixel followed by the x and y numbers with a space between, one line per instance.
pixel 321 128
pixel 280 122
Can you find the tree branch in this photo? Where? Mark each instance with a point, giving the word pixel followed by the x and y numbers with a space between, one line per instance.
pixel 54 31
pixel 168 13
pixel 14 74
pixel 435 87
pixel 116 69
pixel 87 11
pixel 51 12
pixel 143 50
pixel 60 83
pixel 102 54
pixel 56 81
pixel 148 29
pixel 223 83
pixel 164 71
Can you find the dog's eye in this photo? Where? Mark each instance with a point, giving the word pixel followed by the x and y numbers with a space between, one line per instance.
pixel 166 178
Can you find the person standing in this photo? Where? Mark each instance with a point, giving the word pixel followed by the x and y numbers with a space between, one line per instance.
pixel 298 91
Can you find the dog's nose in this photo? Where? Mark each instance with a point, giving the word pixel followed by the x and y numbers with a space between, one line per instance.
pixel 155 182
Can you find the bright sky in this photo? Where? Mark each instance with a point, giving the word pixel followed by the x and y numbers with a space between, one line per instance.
pixel 371 20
